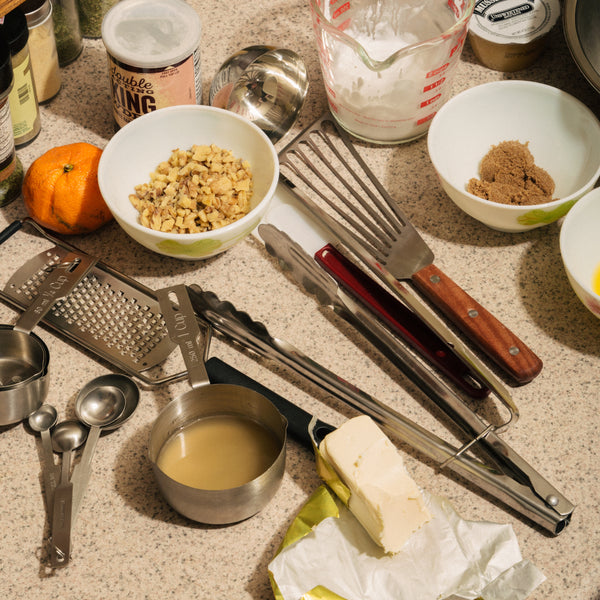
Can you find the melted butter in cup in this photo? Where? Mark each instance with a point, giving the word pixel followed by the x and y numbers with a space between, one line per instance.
pixel 219 452
pixel 510 35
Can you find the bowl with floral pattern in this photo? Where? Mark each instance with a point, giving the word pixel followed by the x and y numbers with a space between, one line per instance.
pixel 560 132
pixel 580 250
pixel 131 159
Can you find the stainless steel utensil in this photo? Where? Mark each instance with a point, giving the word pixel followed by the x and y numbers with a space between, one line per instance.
pixel 41 421
pixel 322 163
pixel 507 477
pixel 98 405
pixel 24 358
pixel 215 506
pixel 265 84
pixel 67 436
pixel 107 313
pixel 306 272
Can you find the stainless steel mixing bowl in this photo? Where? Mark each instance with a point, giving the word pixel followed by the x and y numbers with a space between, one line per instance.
pixel 581 23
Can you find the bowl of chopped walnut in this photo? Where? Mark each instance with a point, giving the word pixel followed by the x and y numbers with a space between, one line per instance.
pixel 188 181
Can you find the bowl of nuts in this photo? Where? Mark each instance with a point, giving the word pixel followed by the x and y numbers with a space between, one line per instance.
pixel 188 181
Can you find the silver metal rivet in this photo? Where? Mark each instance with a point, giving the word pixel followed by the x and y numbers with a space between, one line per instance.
pixel 435 279
pixel 473 313
pixel 552 500
pixel 513 350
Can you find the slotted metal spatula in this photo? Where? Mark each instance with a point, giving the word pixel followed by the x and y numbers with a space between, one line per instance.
pixel 323 169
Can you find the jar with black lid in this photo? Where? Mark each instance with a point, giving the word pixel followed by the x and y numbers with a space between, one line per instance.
pixel 11 169
pixel 24 109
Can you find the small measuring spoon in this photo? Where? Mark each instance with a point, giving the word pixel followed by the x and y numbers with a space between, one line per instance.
pixel 97 406
pixel 66 437
pixel 41 421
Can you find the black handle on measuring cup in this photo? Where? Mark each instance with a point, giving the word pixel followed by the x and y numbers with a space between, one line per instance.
pixel 300 422
pixel 10 230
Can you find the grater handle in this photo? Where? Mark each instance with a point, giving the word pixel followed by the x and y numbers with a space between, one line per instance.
pixel 58 284
pixel 494 338
pixel 10 230
pixel 191 335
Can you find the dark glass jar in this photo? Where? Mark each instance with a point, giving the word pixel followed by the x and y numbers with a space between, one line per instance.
pixel 11 170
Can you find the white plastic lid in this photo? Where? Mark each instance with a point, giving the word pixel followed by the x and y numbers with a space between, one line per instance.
pixel 513 21
pixel 151 33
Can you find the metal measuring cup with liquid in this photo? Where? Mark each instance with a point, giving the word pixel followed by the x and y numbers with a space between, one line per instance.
pixel 388 64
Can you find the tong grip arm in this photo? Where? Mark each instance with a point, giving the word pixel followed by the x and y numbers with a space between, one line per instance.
pixel 482 328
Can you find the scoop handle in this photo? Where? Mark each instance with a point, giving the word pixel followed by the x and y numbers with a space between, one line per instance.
pixel 491 336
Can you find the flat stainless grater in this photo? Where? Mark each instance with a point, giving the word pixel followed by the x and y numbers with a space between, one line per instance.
pixel 106 313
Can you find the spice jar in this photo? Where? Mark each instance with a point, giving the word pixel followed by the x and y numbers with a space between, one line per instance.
pixel 91 13
pixel 24 109
pixel 153 49
pixel 66 31
pixel 42 48
pixel 11 169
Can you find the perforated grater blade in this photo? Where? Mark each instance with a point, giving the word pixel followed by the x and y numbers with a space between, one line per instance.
pixel 104 313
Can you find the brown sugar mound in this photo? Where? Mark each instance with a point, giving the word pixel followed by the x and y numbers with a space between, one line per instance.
pixel 509 175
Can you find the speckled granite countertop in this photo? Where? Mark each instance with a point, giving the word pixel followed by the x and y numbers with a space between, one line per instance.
pixel 127 542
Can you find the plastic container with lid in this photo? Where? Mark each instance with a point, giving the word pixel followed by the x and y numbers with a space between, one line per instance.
pixel 153 49
pixel 11 169
pixel 24 109
pixel 42 48
pixel 509 35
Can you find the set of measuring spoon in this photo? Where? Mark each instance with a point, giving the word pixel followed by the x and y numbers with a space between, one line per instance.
pixel 103 404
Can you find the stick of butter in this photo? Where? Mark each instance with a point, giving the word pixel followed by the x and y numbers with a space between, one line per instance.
pixel 384 498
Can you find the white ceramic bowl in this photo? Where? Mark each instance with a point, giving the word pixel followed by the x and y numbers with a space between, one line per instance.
pixel 137 149
pixel 563 136
pixel 580 248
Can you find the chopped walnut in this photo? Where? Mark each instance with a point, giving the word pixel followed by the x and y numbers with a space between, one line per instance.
pixel 196 190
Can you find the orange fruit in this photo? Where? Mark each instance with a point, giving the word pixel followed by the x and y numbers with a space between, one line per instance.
pixel 61 190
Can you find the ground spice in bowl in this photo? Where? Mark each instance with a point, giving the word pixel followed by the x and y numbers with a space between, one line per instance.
pixel 509 175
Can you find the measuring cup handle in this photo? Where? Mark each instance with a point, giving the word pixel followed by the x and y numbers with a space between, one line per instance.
pixel 190 334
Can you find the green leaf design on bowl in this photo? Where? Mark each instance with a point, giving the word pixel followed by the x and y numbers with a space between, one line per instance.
pixel 199 248
pixel 537 216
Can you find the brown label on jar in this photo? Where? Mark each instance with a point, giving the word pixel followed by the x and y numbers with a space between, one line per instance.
pixel 137 91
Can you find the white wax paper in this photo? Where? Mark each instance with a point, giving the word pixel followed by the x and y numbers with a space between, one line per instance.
pixel 446 556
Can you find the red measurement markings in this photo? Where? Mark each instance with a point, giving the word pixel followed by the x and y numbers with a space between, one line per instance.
pixel 430 101
pixel 340 11
pixel 433 85
pixel 425 119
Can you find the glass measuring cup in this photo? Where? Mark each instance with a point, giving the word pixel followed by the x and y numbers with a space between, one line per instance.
pixel 388 64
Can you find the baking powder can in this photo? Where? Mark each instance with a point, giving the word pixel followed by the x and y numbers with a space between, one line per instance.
pixel 153 49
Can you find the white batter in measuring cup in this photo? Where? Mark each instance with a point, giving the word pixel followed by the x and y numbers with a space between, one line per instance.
pixel 388 64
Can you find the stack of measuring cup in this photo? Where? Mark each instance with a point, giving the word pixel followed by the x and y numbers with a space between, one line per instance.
pixel 388 64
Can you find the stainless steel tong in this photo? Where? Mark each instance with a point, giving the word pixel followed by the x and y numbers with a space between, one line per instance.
pixel 507 476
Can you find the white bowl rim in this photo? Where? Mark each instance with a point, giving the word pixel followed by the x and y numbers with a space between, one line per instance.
pixel 518 83
pixel 580 205
pixel 194 237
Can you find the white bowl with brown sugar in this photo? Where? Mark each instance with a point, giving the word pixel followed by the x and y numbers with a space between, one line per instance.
pixel 189 181
pixel 496 147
